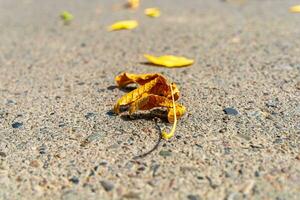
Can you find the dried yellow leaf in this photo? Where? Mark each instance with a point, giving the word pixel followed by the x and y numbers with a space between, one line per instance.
pixel 137 93
pixel 127 78
pixel 169 61
pixel 295 9
pixel 152 12
pixel 126 24
pixel 160 88
pixel 133 4
pixel 149 101
pixel 154 91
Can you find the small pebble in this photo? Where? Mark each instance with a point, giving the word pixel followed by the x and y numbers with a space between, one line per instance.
pixel 193 197
pixel 17 125
pixel 142 168
pixel 154 169
pixel 101 90
pixel 227 150
pixel 257 173
pixel 111 113
pixel 10 102
pixel 223 130
pixel 46 165
pixel 43 149
pixel 278 141
pixel 272 103
pixel 61 124
pixel 74 180
pixel 230 111
pixel 164 153
pixel 178 137
pixel 103 163
pixel 108 186
pixel 130 141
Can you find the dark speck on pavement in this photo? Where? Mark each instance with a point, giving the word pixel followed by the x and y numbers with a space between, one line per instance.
pixel 230 111
pixel 17 125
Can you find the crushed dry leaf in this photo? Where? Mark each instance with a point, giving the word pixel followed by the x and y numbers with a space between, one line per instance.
pixel 120 25
pixel 169 61
pixel 152 12
pixel 295 9
pixel 154 91
pixel 66 16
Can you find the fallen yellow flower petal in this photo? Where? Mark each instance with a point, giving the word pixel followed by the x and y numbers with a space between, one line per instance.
pixel 295 9
pixel 66 16
pixel 152 12
pixel 169 61
pixel 133 4
pixel 126 24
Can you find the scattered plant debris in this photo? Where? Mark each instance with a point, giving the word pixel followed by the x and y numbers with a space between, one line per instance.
pixel 295 9
pixel 67 17
pixel 133 4
pixel 120 25
pixel 152 12
pixel 169 61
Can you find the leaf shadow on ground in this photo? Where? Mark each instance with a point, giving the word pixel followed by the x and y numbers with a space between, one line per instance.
pixel 141 115
pixel 150 64
pixel 146 115
pixel 124 89
pixel 154 115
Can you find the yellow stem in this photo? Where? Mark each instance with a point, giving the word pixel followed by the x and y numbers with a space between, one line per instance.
pixel 166 135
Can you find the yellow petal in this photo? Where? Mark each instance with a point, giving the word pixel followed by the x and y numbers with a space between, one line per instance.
pixel 66 16
pixel 133 3
pixel 169 61
pixel 126 24
pixel 152 12
pixel 295 9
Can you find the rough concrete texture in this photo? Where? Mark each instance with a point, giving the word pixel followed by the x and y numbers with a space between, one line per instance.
pixel 60 140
